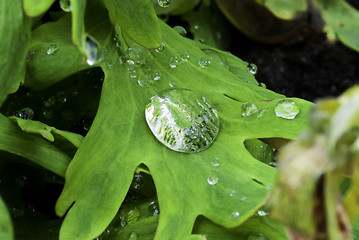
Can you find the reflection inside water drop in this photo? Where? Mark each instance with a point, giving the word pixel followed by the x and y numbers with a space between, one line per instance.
pixel 212 180
pixel 286 109
pixel 182 120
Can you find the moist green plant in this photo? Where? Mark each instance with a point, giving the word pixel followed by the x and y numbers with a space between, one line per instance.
pixel 119 181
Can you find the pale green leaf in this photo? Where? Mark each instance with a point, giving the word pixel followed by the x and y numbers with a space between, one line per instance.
pixel 285 9
pixel 35 8
pixel 120 140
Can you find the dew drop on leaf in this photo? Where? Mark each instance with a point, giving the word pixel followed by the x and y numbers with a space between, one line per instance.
pixel 212 180
pixel 173 62
pixel 232 193
pixel 132 71
pixel 132 236
pixel 52 49
pixel 50 101
pixel 235 216
pixel 216 56
pixel 180 30
pixel 286 109
pixel 262 213
pixel 172 83
pixel 136 54
pixel 164 3
pixel 25 113
pixel 252 68
pixel 48 114
pixel 91 52
pixel 160 48
pixel 153 74
pixel 204 62
pixel 184 56
pixel 65 5
pixel 248 109
pixel 215 162
pixel 154 208
pixel 182 120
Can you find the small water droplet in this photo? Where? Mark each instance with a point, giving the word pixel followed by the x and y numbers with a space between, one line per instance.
pixel 30 55
pixel 263 85
pixel 138 182
pixel 273 164
pixel 52 49
pixel 182 120
pixel 217 56
pixel 21 180
pixel 261 113
pixel 48 102
pixel 153 74
pixel 132 71
pixel 25 113
pixel 243 198
pixel 196 27
pixel 132 236
pixel 65 5
pixel 248 109
pixel 232 193
pixel 212 180
pixel 215 162
pixel 286 109
pixel 204 62
pixel 143 82
pixel 173 62
pixel 184 56
pixel 136 54
pixel 235 216
pixel 154 208
pixel 164 3
pixel 180 30
pixel 172 83
pixel 62 99
pixel 91 52
pixel 128 216
pixel 160 48
pixel 262 213
pixel 252 68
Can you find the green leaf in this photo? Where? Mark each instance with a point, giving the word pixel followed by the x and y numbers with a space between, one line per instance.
pixel 342 21
pixel 14 32
pixel 35 8
pixel 51 48
pixel 78 23
pixel 119 140
pixel 46 131
pixel 34 148
pixel 285 9
pixel 6 229
pixel 137 19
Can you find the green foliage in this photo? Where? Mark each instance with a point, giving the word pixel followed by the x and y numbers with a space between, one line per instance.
pixel 35 8
pixel 6 230
pixel 14 32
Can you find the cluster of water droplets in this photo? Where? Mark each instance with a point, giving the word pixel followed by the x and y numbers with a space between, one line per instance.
pixel 183 120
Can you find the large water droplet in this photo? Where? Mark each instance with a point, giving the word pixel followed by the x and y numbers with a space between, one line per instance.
pixel 25 113
pixel 212 180
pixel 173 62
pixel 91 52
pixel 52 49
pixel 216 56
pixel 164 3
pixel 248 109
pixel 287 109
pixel 180 30
pixel 154 208
pixel 65 5
pixel 252 68
pixel 182 120
pixel 204 62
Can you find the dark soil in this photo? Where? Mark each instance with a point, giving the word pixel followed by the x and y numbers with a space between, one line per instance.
pixel 310 69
